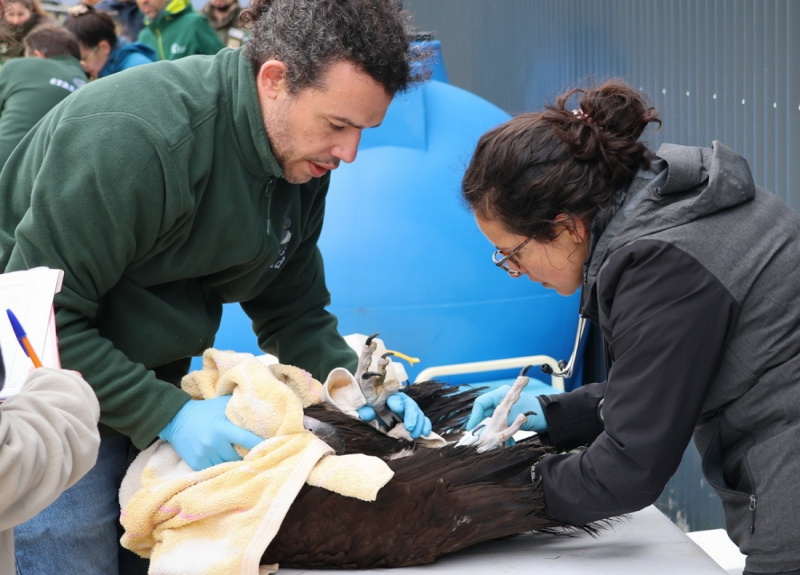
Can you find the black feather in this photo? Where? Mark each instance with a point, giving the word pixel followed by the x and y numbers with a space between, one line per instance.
pixel 448 408
pixel 439 500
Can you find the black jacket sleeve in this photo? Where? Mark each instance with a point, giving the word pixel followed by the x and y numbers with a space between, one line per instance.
pixel 667 319
pixel 573 419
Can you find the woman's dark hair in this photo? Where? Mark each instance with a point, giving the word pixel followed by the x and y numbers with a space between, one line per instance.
pixel 528 171
pixel 90 26
pixel 310 35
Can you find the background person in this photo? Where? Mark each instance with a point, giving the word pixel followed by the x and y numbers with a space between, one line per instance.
pixel 127 17
pixel 19 18
pixel 31 86
pixel 174 30
pixel 171 190
pixel 48 440
pixel 102 52
pixel 223 15
pixel 691 272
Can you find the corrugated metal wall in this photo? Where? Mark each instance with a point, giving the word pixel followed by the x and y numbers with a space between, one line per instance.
pixel 715 69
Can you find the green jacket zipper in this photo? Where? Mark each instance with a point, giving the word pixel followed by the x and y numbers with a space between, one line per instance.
pixel 268 194
pixel 160 44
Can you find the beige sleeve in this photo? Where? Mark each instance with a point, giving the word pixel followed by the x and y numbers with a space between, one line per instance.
pixel 48 440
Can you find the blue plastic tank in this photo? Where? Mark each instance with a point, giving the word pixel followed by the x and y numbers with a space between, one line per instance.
pixel 405 258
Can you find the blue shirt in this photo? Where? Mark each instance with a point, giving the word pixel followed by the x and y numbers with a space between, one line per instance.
pixel 127 55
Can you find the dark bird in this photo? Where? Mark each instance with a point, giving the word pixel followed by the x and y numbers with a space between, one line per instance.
pixel 439 500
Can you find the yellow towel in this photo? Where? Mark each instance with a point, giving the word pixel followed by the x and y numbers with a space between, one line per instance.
pixel 220 520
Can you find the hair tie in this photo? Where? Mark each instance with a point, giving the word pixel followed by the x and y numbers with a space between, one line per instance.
pixel 583 115
pixel 78 10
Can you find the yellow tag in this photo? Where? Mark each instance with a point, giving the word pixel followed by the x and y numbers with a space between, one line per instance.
pixel 410 360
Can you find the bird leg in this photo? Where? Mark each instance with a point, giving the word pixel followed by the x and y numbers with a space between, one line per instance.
pixel 494 431
pixel 365 359
pixel 374 385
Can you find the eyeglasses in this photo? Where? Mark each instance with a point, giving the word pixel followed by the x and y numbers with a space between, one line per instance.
pixel 91 52
pixel 499 258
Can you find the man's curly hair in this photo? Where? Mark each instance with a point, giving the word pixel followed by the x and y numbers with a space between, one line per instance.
pixel 309 35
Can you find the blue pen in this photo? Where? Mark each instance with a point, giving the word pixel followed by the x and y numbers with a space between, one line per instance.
pixel 22 337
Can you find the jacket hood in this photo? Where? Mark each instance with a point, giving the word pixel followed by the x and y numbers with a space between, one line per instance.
pixel 683 184
pixel 121 51
pixel 123 48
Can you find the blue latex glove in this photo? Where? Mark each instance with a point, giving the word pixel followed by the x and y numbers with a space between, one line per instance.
pixel 407 409
pixel 485 405
pixel 203 436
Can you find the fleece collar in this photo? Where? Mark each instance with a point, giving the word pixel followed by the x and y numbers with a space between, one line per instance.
pixel 172 10
pixel 246 110
pixel 683 184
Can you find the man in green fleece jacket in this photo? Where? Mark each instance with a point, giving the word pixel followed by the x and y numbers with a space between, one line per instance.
pixel 174 30
pixel 31 86
pixel 171 190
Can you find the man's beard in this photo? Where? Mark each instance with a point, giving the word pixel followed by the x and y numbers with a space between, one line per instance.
pixel 282 144
pixel 280 134
pixel 225 8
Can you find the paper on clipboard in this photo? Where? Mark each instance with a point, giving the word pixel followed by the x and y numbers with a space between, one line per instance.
pixel 29 294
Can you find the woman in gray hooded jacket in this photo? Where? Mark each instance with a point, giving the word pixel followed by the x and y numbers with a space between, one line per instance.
pixel 48 440
pixel 692 273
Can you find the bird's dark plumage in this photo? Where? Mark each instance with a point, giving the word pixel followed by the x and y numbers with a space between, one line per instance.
pixel 439 500
pixel 445 406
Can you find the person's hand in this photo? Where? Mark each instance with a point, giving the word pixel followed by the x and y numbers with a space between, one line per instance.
pixel 527 403
pixel 203 436
pixel 407 409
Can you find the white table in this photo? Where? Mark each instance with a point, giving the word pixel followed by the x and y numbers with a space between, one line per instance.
pixel 647 543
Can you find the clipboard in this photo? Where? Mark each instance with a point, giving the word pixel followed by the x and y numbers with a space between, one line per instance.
pixel 29 294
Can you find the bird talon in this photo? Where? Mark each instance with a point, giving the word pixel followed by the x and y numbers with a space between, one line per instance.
pixel 497 429
pixel 371 375
pixel 524 371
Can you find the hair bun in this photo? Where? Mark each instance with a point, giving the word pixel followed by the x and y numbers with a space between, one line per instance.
pixel 618 108
pixel 605 129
